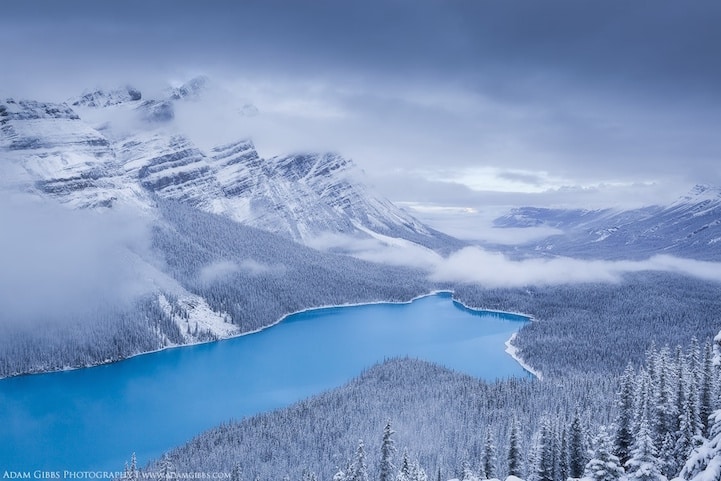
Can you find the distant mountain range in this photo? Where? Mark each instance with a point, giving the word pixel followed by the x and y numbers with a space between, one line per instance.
pixel 688 227
pixel 80 154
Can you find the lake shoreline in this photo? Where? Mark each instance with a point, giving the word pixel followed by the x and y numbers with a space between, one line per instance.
pixel 316 351
pixel 107 362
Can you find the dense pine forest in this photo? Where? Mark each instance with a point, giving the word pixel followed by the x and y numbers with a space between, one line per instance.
pixel 602 327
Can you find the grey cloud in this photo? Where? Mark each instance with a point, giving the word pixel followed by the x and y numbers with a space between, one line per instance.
pixel 602 91
pixel 475 265
pixel 492 269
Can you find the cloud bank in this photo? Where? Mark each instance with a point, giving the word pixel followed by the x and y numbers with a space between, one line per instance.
pixel 62 265
pixel 220 270
pixel 475 265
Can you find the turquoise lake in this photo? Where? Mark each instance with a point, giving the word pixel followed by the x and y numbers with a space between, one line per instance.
pixel 94 418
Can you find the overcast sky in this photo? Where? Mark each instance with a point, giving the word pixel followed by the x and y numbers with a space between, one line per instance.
pixel 448 102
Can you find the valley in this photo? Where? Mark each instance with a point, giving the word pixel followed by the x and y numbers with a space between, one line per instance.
pixel 174 242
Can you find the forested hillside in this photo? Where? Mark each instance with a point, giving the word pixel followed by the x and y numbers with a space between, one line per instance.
pixel 601 327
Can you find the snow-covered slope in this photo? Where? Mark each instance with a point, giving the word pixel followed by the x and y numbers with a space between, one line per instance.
pixel 690 226
pixel 47 148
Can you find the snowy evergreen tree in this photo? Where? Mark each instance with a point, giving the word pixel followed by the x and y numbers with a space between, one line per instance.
pixel 706 390
pixel 544 453
pixel 576 448
pixel 603 465
pixel 689 422
pixel 236 473
pixel 340 475
pixel 563 455
pixel 488 462
pixel 412 471
pixel 644 464
pixel 358 470
pixel 666 455
pixel 387 451
pixel 131 470
pixel 662 407
pixel 514 450
pixel 625 419
pixel 467 473
pixel 417 472
pixel 165 470
pixel 704 463
pixel 404 472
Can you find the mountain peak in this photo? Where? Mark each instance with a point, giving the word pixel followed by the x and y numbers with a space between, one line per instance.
pixel 30 109
pixel 106 98
pixel 191 89
pixel 701 193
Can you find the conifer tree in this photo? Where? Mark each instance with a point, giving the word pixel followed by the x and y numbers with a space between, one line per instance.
pixel 576 448
pixel 404 473
pixel 544 453
pixel 625 419
pixel 165 468
pixel 131 471
pixel 644 463
pixel 387 451
pixel 417 472
pixel 235 474
pixel 704 463
pixel 489 457
pixel 514 450
pixel 466 472
pixel 563 455
pixel 706 390
pixel 603 465
pixel 358 470
pixel 662 407
pixel 667 457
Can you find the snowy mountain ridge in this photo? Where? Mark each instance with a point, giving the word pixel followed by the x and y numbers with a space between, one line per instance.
pixel 54 151
pixel 689 226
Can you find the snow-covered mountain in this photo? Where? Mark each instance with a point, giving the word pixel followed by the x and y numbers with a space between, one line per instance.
pixel 84 157
pixel 212 253
pixel 690 227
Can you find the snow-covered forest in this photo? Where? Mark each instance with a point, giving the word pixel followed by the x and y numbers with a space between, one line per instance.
pixel 653 422
pixel 601 327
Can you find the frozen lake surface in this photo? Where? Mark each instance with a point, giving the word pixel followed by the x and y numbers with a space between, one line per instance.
pixel 94 418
